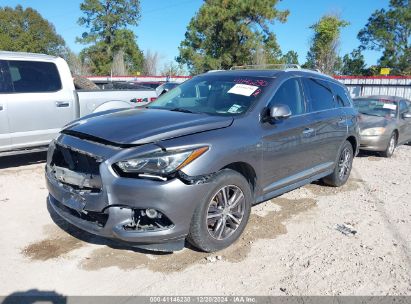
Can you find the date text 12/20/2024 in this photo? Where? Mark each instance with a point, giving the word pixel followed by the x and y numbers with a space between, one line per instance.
pixel 203 299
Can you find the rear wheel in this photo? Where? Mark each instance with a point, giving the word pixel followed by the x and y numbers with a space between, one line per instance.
pixel 392 144
pixel 343 168
pixel 222 216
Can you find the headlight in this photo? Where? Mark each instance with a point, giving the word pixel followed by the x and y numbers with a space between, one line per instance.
pixel 160 163
pixel 373 131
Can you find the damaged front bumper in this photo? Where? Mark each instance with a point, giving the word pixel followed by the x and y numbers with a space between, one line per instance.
pixel 147 213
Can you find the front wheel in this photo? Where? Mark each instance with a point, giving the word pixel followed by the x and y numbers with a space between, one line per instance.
pixel 223 214
pixel 343 168
pixel 392 144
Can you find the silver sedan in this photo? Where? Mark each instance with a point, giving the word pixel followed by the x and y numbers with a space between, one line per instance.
pixel 385 123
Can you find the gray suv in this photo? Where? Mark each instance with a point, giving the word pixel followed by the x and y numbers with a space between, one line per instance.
pixel 190 165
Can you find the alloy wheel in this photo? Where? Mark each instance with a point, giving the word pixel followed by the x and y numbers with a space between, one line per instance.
pixel 225 212
pixel 391 145
pixel 344 164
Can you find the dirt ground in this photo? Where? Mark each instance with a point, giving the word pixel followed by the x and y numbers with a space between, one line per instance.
pixel 291 245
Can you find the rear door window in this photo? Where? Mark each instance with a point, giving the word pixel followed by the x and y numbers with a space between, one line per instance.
pixel 290 94
pixel 319 94
pixel 34 77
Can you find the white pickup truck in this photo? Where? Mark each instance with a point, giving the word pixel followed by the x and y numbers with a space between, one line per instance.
pixel 38 97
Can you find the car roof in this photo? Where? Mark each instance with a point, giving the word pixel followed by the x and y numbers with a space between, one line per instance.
pixel 22 55
pixel 271 73
pixel 386 97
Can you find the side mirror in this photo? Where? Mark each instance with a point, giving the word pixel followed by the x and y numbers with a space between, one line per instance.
pixel 280 111
pixel 406 115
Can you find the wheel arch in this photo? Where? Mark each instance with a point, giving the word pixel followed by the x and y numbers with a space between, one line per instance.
pixel 354 143
pixel 246 170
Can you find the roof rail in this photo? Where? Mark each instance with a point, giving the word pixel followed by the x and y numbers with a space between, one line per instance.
pixel 280 66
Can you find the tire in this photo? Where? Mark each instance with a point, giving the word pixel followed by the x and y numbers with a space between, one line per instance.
pixel 204 233
pixel 345 160
pixel 82 83
pixel 392 144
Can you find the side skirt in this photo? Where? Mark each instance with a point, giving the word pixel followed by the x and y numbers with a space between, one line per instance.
pixel 294 186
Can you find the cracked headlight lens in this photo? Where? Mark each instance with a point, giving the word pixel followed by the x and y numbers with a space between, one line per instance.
pixel 372 131
pixel 160 163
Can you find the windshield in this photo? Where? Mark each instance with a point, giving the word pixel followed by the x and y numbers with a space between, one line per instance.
pixel 376 107
pixel 213 94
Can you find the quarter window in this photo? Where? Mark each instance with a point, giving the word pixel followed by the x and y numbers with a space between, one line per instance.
pixel 290 94
pixel 319 94
pixel 33 77
pixel 341 95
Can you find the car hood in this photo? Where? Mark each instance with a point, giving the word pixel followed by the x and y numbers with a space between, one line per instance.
pixel 369 121
pixel 140 126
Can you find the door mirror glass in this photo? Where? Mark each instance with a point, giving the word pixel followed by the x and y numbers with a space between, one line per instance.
pixel 280 111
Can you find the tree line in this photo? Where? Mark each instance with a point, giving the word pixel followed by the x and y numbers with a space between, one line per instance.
pixel 220 35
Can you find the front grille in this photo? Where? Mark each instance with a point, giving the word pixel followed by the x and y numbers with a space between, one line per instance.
pixel 76 169
pixel 75 161
pixel 98 218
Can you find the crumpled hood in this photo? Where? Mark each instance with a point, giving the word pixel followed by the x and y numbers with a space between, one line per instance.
pixel 141 125
pixel 369 121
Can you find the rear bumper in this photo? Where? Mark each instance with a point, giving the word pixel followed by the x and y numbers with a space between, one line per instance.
pixel 374 143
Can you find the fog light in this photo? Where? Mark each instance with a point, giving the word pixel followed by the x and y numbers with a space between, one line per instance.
pixel 151 213
pixel 149 220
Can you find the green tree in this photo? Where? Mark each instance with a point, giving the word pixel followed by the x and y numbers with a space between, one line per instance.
pixel 76 65
pixel 389 31
pixel 353 63
pixel 291 57
pixel 323 53
pixel 225 33
pixel 25 30
pixel 172 68
pixel 100 59
pixel 108 36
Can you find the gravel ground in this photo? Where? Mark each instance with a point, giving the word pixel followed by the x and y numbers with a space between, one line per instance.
pixel 290 247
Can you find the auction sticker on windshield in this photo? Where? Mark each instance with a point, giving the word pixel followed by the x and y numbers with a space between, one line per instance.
pixel 243 89
pixel 389 106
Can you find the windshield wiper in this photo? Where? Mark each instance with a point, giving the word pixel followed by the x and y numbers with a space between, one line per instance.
pixel 181 110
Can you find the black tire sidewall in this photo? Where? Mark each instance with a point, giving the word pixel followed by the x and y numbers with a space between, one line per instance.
pixel 199 235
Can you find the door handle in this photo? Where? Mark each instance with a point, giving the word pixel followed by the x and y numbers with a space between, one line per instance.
pixel 62 104
pixel 308 132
